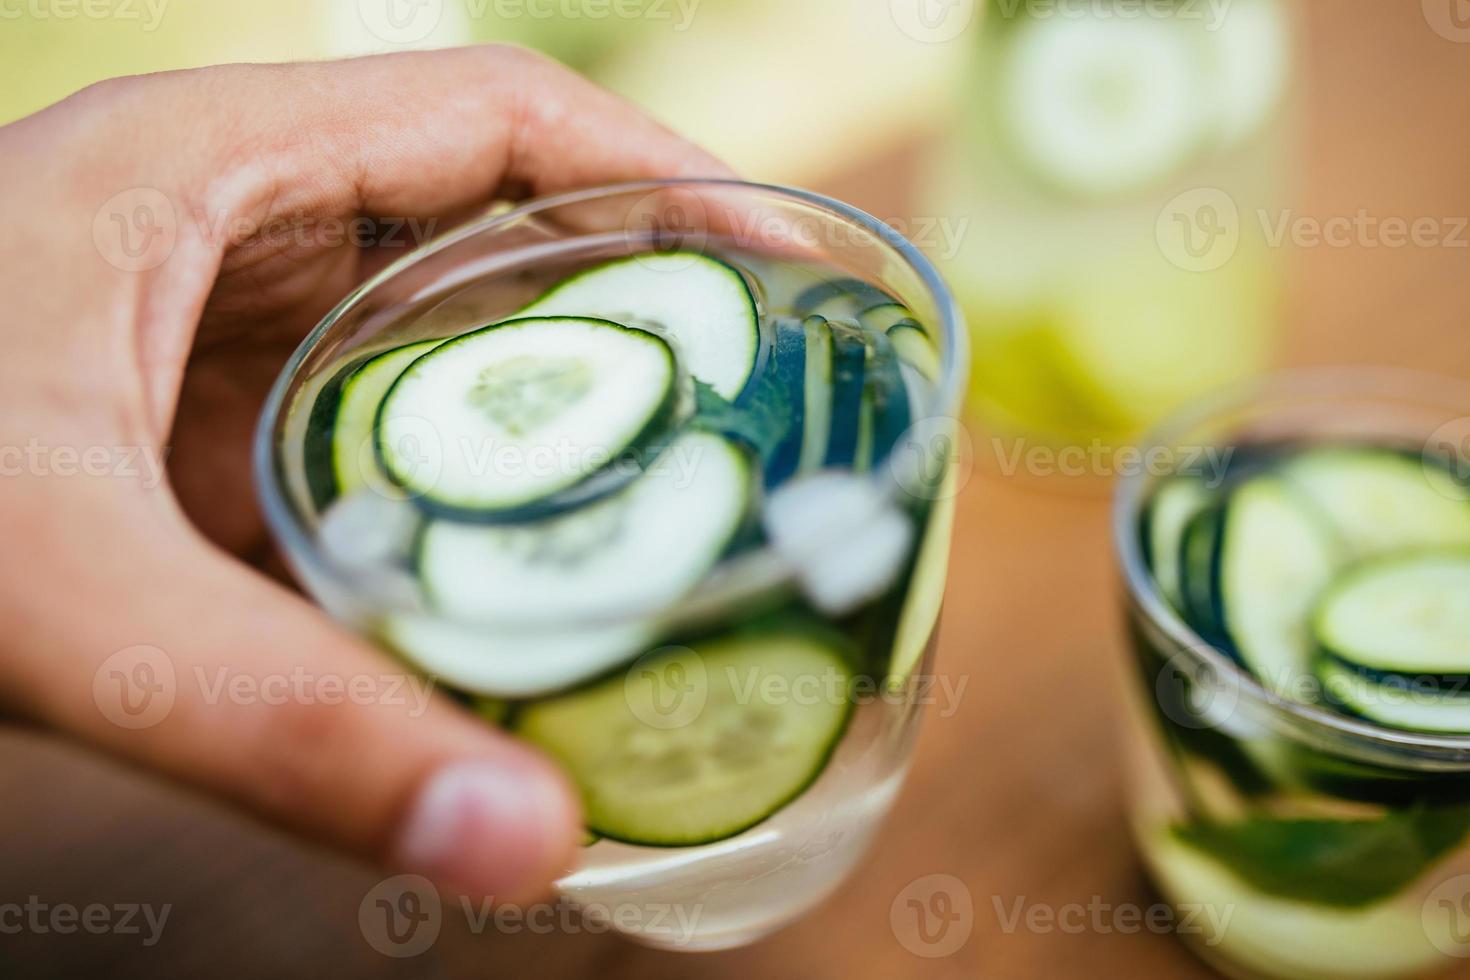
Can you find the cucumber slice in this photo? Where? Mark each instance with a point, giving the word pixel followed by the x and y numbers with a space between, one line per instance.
pixel 701 305
pixel 837 298
pixel 1098 107
pixel 499 663
pixel 1199 574
pixel 698 745
pixel 504 417
pixel 339 438
pixel 1173 505
pixel 1275 561
pixel 597 561
pixel 1378 500
pixel 819 372
pixel 1407 706
pixel 849 365
pixel 885 316
pixel 1408 614
pixel 913 346
pixel 790 370
pixel 888 405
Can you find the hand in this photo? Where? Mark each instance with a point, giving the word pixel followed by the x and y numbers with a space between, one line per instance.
pixel 108 366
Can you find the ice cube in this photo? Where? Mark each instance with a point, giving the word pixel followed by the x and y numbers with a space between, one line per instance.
pixel 846 542
pixel 368 531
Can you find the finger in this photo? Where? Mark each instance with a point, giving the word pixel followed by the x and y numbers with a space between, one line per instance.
pixel 189 665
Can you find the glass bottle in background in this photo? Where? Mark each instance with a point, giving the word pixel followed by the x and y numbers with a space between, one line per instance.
pixel 1115 165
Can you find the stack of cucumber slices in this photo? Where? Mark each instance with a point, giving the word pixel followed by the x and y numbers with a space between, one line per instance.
pixel 1335 574
pixel 575 470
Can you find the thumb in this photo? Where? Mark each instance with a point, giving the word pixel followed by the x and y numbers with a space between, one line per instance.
pixel 193 665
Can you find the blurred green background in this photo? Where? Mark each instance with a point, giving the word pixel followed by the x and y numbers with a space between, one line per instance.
pixel 1082 169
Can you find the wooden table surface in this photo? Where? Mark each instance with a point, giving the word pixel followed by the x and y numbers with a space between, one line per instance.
pixel 1018 794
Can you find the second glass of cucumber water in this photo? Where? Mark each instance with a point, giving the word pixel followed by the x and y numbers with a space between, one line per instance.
pixel 1299 607
pixel 659 477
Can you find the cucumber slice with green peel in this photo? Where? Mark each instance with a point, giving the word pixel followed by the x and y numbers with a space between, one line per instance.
pixel 501 663
pixel 1276 559
pixel 925 596
pixel 1378 500
pixel 495 421
pixel 1174 504
pixel 339 438
pixel 840 298
pixel 789 371
pixel 598 561
pixel 701 305
pixel 887 404
pixel 1098 107
pixel 698 745
pixel 914 348
pixel 849 366
pixel 819 372
pixel 1406 614
pixel 886 316
pixel 1199 574
pixel 1403 705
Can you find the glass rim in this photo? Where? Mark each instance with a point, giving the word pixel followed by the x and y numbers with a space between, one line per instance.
pixel 1128 500
pixel 761 570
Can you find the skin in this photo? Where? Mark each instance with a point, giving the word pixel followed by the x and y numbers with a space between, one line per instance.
pixel 178 357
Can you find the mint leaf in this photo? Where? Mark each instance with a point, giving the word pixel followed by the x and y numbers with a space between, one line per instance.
pixel 1341 863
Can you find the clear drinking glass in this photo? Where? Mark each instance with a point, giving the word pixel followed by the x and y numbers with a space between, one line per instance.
pixel 735 890
pixel 1300 843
